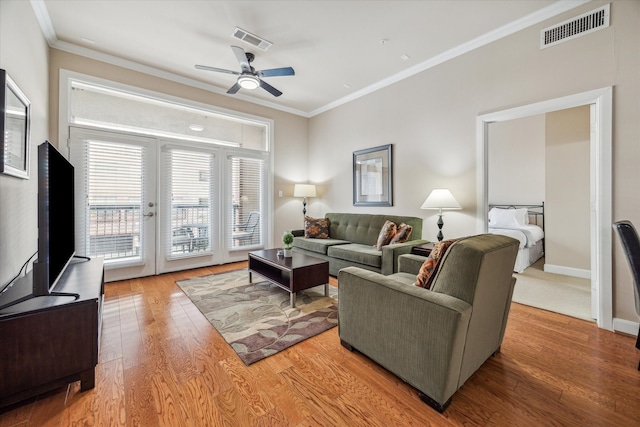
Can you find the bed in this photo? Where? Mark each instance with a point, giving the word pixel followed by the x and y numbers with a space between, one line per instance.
pixel 524 223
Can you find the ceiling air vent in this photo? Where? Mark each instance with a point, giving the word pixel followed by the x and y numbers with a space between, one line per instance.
pixel 252 39
pixel 575 27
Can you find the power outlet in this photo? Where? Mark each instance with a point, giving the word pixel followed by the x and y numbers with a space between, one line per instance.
pixel 279 193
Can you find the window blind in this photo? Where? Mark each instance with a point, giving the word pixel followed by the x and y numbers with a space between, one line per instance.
pixel 109 199
pixel 189 179
pixel 245 203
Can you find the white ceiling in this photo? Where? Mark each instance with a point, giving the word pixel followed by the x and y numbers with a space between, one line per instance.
pixel 330 44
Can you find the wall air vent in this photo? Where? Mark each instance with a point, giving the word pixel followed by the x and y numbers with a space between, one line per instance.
pixel 252 39
pixel 575 27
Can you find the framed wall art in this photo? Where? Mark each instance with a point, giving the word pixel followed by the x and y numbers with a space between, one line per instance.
pixel 14 127
pixel 372 177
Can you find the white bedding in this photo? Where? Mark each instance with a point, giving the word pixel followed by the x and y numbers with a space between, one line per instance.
pixel 515 223
pixel 528 235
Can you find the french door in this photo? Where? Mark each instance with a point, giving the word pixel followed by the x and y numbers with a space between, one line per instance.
pixel 151 205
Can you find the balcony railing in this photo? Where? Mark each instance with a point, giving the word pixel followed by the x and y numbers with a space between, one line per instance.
pixel 114 231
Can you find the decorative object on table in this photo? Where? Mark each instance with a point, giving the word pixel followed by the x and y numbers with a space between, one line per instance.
pixel 15 117
pixel 440 199
pixel 256 319
pixel 372 177
pixel 287 240
pixel 304 191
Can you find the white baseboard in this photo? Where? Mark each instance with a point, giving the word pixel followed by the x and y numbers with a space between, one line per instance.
pixel 626 326
pixel 567 271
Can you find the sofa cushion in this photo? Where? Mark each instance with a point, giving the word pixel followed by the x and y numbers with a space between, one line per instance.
pixel 316 228
pixel 403 232
pixel 361 254
pixel 424 279
pixel 386 234
pixel 364 228
pixel 317 245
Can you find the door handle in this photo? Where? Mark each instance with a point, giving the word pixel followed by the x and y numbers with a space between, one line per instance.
pixel 150 214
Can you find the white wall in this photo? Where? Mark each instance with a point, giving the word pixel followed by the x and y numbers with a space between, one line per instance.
pixel 24 55
pixel 430 119
pixel 516 173
pixel 567 209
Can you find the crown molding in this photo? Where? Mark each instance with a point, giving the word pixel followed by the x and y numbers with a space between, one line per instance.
pixel 501 32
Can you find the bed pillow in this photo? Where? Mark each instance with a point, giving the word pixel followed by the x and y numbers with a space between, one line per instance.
pixel 386 234
pixel 499 217
pixel 316 228
pixel 403 232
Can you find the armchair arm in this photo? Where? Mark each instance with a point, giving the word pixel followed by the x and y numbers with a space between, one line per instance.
pixel 415 333
pixel 390 254
pixel 410 263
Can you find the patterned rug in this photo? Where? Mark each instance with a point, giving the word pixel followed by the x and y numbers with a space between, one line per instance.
pixel 255 318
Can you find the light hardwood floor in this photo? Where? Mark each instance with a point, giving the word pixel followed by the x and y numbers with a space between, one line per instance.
pixel 163 364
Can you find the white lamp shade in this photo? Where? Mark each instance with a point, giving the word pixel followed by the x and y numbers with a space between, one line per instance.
pixel 441 198
pixel 304 190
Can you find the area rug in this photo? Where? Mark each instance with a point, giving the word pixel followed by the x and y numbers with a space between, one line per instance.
pixel 255 318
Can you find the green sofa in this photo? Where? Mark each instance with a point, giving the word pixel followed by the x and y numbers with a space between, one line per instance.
pixel 351 242
pixel 432 339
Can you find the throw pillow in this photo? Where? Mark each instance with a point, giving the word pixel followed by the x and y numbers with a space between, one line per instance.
pixel 386 234
pixel 402 234
pixel 316 228
pixel 425 277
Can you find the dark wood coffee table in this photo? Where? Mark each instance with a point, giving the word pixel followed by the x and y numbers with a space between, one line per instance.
pixel 294 274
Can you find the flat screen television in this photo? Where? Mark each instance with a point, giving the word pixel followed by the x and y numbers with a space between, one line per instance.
pixel 56 229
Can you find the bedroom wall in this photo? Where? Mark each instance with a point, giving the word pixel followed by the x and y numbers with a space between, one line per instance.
pixel 290 131
pixel 430 118
pixel 516 173
pixel 24 55
pixel 567 213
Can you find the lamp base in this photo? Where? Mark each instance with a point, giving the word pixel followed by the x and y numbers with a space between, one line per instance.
pixel 440 224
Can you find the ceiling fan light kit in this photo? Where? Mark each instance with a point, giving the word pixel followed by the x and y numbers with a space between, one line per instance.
pixel 248 81
pixel 249 78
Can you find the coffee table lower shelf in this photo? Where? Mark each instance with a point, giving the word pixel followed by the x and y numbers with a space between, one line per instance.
pixel 293 274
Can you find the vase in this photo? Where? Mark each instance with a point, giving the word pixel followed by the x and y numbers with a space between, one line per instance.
pixel 287 253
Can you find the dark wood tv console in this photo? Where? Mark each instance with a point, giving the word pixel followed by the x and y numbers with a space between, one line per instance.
pixel 48 342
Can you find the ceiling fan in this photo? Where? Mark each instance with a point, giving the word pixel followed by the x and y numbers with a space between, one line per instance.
pixel 249 78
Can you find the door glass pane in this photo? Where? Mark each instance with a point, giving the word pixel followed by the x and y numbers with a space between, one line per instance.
pixel 189 178
pixel 247 188
pixel 112 177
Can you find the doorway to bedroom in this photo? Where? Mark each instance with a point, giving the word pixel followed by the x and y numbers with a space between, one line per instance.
pixel 545 157
pixel 600 184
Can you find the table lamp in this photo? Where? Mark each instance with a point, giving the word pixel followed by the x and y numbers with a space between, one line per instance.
pixel 304 191
pixel 440 199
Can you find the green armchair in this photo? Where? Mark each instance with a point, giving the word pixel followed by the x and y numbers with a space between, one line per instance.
pixel 432 339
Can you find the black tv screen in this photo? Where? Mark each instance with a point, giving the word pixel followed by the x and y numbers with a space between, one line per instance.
pixel 56 231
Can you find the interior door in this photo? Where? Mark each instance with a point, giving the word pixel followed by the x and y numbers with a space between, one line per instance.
pixel 115 200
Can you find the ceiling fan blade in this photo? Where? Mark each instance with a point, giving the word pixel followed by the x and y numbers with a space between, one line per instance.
pixel 234 89
pixel 241 56
pixel 285 71
pixel 272 90
pixel 219 70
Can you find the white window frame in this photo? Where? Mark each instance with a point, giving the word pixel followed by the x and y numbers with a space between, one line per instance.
pixel 64 121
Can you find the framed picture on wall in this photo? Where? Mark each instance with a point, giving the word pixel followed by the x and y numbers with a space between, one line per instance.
pixel 14 128
pixel 372 177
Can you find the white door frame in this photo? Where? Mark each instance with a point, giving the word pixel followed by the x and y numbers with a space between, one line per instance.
pixel 600 182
